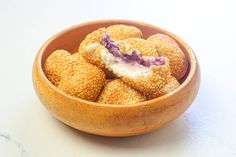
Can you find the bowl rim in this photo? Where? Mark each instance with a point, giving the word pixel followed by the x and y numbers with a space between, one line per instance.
pixel 192 63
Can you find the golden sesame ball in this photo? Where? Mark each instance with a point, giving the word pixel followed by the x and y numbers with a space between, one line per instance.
pixel 166 46
pixel 155 80
pixel 121 32
pixel 118 92
pixel 171 85
pixel 58 63
pixel 86 82
pixel 145 47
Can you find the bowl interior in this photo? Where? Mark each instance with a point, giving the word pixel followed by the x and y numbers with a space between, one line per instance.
pixel 71 38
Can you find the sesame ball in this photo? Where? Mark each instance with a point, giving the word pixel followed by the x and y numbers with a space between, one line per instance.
pixel 86 82
pixel 166 46
pixel 118 92
pixel 57 64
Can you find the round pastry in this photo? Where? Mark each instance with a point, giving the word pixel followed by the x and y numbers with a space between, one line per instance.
pixel 118 92
pixel 144 73
pixel 171 85
pixel 86 82
pixel 121 32
pixel 166 46
pixel 57 64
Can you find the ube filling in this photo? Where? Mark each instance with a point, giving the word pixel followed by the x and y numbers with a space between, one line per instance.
pixel 134 56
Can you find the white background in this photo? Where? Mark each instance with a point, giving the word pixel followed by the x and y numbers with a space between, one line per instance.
pixel 206 129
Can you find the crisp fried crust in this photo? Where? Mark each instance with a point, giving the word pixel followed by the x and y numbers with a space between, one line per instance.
pixel 121 32
pixel 88 47
pixel 118 92
pixel 142 45
pixel 57 64
pixel 166 46
pixel 152 82
pixel 78 57
pixel 171 85
pixel 86 82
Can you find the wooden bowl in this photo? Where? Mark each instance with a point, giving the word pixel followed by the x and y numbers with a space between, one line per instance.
pixel 105 119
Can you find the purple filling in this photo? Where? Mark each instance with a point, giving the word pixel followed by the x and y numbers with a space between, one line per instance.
pixel 135 56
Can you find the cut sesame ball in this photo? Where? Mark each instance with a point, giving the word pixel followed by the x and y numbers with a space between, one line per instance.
pixel 86 82
pixel 88 47
pixel 118 92
pixel 166 46
pixel 146 79
pixel 121 32
pixel 91 45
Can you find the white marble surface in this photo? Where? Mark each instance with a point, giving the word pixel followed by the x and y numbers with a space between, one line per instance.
pixel 206 129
